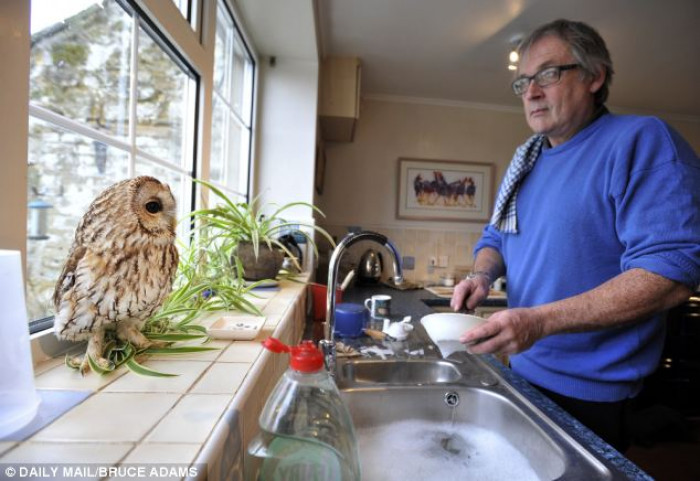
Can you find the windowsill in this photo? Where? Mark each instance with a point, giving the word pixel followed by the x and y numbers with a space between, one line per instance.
pixel 198 416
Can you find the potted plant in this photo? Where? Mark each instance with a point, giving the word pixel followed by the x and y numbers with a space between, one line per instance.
pixel 252 239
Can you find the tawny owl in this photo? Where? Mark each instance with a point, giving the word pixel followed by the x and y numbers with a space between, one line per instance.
pixel 120 268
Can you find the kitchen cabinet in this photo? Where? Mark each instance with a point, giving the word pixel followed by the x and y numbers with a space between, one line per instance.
pixel 340 98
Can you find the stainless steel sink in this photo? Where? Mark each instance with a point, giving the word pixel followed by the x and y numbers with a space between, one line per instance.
pixel 466 390
pixel 400 372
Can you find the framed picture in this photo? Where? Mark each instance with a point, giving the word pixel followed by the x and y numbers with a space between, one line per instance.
pixel 445 190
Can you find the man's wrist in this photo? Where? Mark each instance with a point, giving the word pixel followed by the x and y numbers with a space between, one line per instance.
pixel 475 274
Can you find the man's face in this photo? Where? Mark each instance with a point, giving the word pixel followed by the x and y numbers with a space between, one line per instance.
pixel 559 110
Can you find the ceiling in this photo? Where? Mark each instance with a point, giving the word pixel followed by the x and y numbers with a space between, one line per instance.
pixel 456 50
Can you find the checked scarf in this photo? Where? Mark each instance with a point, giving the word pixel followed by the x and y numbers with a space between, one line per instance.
pixel 504 216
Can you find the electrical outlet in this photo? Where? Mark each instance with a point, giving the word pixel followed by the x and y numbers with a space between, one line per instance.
pixel 432 261
pixel 443 261
pixel 408 263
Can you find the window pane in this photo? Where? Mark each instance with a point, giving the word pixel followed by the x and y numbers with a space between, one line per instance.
pixel 66 172
pixel 241 80
pixel 163 104
pixel 222 51
pixel 243 164
pixel 232 106
pixel 218 140
pixel 80 62
pixel 234 152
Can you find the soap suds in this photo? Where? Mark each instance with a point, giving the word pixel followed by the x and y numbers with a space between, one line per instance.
pixel 416 449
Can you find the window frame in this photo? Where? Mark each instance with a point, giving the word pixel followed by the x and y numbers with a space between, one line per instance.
pixel 192 48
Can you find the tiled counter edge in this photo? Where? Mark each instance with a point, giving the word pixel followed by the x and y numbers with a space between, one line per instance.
pixel 204 417
pixel 223 454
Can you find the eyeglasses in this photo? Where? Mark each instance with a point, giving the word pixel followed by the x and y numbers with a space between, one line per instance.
pixel 546 76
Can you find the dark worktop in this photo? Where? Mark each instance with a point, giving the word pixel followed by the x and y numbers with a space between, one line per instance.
pixel 412 302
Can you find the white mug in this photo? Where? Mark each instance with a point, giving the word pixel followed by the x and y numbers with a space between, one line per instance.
pixel 379 305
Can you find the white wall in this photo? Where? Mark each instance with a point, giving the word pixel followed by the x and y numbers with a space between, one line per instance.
pixel 366 170
pixel 287 110
pixel 360 187
pixel 287 100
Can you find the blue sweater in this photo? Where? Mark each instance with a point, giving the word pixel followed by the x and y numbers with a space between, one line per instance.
pixel 623 193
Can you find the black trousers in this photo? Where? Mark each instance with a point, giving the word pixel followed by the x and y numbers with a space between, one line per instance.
pixel 607 419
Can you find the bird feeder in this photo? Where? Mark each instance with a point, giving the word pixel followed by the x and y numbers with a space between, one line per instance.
pixel 38 219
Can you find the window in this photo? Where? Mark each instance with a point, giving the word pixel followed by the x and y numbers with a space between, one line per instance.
pixel 232 107
pixel 109 99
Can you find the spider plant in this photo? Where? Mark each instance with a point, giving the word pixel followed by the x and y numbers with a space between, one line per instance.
pixel 233 223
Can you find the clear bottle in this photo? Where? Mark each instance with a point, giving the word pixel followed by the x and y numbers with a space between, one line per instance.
pixel 306 433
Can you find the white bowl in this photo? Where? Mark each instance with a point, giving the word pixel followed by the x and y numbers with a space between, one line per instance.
pixel 448 326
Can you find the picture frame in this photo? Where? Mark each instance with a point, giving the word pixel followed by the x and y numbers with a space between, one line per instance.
pixel 445 190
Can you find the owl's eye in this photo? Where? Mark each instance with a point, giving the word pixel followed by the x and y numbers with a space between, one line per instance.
pixel 154 207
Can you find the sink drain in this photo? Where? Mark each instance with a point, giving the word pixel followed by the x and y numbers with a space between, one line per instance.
pixel 452 399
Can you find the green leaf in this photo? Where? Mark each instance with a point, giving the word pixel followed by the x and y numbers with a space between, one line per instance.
pixel 173 337
pixel 123 354
pixel 110 348
pixel 194 327
pixel 142 370
pixel 179 349
pixel 218 193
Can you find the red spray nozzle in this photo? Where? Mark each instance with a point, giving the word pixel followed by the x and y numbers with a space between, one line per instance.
pixel 305 357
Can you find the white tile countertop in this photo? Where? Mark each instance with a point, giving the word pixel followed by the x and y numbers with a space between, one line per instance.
pixel 203 418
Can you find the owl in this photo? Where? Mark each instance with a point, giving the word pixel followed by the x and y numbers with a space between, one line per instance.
pixel 120 268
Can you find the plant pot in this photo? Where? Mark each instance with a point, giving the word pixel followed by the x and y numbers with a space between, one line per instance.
pixel 265 266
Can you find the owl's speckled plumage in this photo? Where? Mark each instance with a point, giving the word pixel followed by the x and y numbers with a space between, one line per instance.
pixel 121 266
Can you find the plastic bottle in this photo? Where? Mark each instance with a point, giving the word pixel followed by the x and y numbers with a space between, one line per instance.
pixel 306 433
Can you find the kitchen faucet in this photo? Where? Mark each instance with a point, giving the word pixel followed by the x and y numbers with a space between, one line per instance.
pixel 327 343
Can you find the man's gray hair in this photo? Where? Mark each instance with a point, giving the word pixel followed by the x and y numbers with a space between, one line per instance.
pixel 587 47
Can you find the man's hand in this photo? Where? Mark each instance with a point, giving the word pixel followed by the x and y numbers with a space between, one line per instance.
pixel 507 332
pixel 470 292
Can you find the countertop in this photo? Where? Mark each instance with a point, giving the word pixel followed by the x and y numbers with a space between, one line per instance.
pixel 412 302
pixel 196 423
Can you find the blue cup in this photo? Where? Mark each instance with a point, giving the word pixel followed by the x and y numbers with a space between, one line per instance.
pixel 350 319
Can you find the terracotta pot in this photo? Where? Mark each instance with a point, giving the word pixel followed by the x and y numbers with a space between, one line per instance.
pixel 265 266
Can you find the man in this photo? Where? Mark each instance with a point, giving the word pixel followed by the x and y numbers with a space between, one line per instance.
pixel 597 227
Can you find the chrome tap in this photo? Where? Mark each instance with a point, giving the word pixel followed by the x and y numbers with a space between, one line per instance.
pixel 328 344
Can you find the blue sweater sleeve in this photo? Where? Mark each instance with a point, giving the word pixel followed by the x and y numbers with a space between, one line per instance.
pixel 490 237
pixel 656 185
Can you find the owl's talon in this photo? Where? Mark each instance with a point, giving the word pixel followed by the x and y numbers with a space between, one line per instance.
pixel 106 364
pixel 101 365
pixel 74 362
pixel 84 366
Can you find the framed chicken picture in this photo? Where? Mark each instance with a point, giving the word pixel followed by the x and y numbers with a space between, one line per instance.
pixel 445 190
